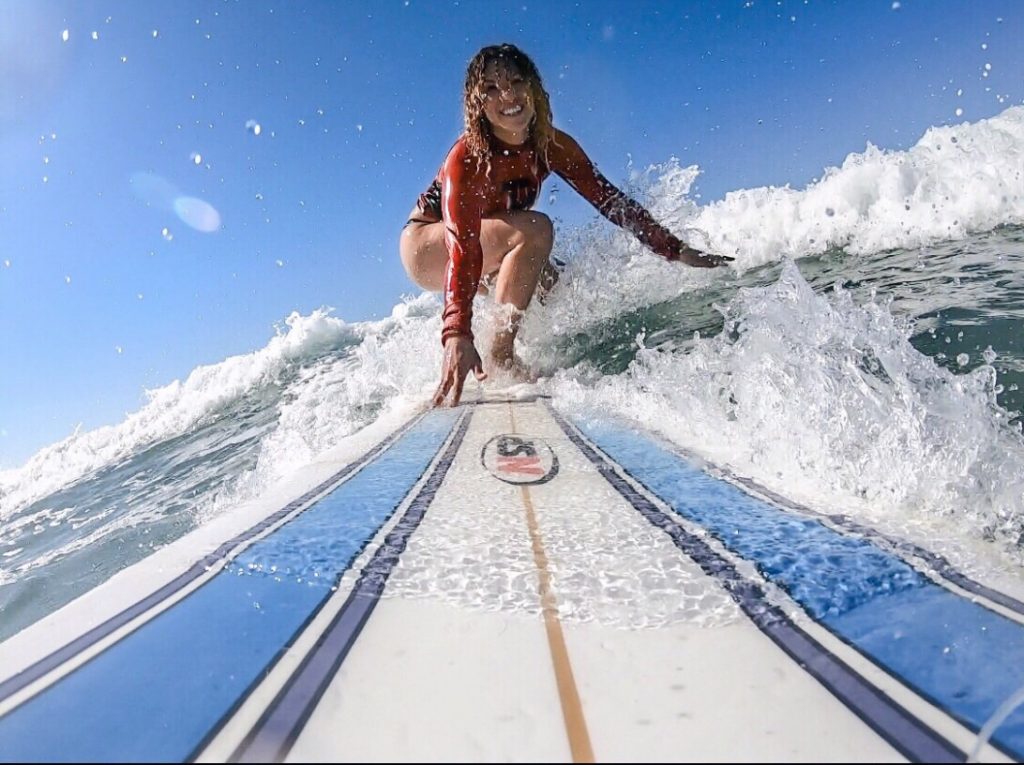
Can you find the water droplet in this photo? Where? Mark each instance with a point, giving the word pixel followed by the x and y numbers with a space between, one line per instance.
pixel 280 263
pixel 253 127
pixel 65 35
pixel 95 35
pixel 166 234
pixel 196 157
pixel 959 112
pixel 67 280
pixel 118 349
pixel 124 59
pixel 989 355
pixel 259 197
pixel 156 33
pixel 962 359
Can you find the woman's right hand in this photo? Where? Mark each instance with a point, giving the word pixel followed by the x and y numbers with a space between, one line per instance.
pixel 460 356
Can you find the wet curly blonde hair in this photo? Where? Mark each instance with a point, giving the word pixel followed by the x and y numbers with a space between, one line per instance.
pixel 478 128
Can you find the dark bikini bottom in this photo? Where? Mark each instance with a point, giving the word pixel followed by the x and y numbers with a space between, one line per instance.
pixel 419 220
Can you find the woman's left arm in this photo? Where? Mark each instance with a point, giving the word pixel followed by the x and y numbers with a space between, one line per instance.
pixel 568 160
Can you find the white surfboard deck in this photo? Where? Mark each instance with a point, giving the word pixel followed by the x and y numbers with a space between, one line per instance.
pixel 446 596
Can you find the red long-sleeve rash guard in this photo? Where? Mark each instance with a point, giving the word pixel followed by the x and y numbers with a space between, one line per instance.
pixel 466 191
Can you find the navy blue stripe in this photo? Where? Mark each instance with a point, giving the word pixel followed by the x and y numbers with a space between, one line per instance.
pixel 892 722
pixel 156 694
pixel 275 733
pixel 962 657
pixel 67 652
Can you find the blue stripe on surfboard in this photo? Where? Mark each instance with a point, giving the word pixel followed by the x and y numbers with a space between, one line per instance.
pixel 891 721
pixel 278 728
pixel 964 658
pixel 936 564
pixel 76 646
pixel 156 694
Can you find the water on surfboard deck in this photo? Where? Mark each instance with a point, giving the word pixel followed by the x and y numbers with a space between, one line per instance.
pixel 294 630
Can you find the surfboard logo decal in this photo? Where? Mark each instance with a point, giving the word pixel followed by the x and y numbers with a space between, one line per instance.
pixel 519 459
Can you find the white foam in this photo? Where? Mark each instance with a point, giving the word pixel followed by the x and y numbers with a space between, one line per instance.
pixel 179 406
pixel 955 180
pixel 387 373
pixel 826 401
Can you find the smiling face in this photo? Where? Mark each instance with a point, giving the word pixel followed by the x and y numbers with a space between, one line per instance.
pixel 503 99
pixel 508 102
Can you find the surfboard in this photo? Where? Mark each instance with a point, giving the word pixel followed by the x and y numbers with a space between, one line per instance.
pixel 330 620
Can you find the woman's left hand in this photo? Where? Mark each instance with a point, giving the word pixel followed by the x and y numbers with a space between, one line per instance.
pixel 698 259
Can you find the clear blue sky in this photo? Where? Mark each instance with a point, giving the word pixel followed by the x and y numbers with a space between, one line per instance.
pixel 357 103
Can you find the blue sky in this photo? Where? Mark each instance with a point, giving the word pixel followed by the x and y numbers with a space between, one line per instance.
pixel 357 103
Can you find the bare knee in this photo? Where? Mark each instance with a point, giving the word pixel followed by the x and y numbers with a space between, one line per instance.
pixel 533 236
pixel 539 233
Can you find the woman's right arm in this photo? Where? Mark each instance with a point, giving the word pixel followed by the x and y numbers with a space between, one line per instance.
pixel 462 211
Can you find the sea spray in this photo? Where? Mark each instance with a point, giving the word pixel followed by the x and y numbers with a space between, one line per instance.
pixel 827 400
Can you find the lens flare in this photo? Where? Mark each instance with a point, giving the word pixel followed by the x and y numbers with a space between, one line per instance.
pixel 200 215
pixel 163 195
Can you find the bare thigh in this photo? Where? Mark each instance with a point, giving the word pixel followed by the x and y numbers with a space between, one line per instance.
pixel 425 254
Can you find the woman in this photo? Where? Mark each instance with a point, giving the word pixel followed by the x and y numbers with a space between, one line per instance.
pixel 475 218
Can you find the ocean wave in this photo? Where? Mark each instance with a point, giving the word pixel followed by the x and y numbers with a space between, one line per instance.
pixel 954 181
pixel 176 408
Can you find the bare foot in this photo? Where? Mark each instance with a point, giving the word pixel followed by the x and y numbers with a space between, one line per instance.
pixel 502 348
